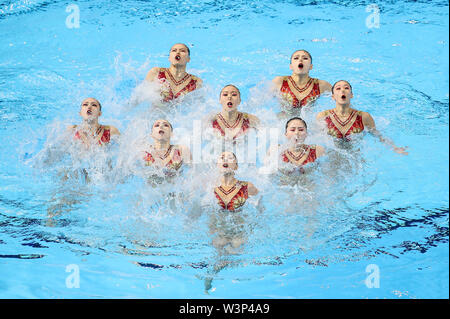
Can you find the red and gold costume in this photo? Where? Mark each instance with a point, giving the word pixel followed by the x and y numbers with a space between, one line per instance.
pixel 342 129
pixel 298 97
pixel 171 159
pixel 237 196
pixel 173 88
pixel 102 135
pixel 238 128
pixel 307 156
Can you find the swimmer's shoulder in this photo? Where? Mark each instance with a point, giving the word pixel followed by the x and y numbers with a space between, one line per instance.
pixel 183 149
pixel 363 114
pixel 153 73
pixel 278 81
pixel 251 189
pixel 213 117
pixel 324 86
pixel 178 147
pixel 322 114
pixel 199 82
pixel 112 129
pixel 184 152
pixel 253 119
pixel 320 150
pixel 367 119
pixel 244 183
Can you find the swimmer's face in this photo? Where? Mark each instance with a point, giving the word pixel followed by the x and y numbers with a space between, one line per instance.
pixel 90 109
pixel 342 92
pixel 161 130
pixel 227 163
pixel 301 62
pixel 179 54
pixel 230 98
pixel 296 131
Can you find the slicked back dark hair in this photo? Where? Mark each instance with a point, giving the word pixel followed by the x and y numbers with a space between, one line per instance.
pixel 292 119
pixel 332 88
pixel 309 54
pixel 171 127
pixel 232 153
pixel 189 50
pixel 232 86
pixel 99 105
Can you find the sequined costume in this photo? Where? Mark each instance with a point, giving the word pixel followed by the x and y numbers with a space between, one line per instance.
pixel 102 135
pixel 172 159
pixel 343 128
pixel 297 97
pixel 238 195
pixel 172 89
pixel 238 128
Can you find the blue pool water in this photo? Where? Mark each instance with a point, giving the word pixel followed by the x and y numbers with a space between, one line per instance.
pixel 376 210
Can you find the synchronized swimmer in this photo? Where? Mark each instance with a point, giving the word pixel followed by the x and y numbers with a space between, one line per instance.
pixel 90 132
pixel 162 153
pixel 296 153
pixel 230 123
pixel 343 121
pixel 232 193
pixel 299 89
pixel 296 91
pixel 175 81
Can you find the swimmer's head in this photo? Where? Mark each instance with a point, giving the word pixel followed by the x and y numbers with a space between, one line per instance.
pixel 296 130
pixel 179 54
pixel 227 163
pixel 301 62
pixel 230 97
pixel 162 130
pixel 342 92
pixel 91 109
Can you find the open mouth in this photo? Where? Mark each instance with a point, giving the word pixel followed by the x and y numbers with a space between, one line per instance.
pixel 89 112
pixel 225 165
pixel 178 58
pixel 230 104
pixel 161 132
pixel 343 97
pixel 300 66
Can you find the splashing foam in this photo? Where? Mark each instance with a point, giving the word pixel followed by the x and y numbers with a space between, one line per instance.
pixel 152 208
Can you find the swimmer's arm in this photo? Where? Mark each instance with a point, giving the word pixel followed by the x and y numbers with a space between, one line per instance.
pixel 324 86
pixel 113 130
pixel 209 124
pixel 319 120
pixel 320 151
pixel 199 82
pixel 152 74
pixel 320 116
pixel 252 190
pixel 276 83
pixel 369 123
pixel 71 128
pixel 254 121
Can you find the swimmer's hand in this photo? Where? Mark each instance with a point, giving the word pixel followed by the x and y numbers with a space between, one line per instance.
pixel 401 150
